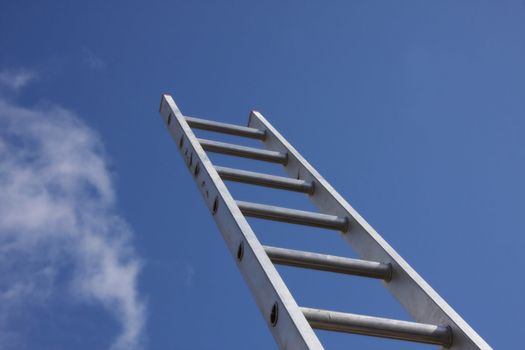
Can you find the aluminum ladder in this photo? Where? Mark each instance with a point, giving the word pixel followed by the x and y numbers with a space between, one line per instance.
pixel 291 325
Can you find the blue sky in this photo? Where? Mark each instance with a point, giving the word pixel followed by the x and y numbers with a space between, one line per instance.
pixel 414 111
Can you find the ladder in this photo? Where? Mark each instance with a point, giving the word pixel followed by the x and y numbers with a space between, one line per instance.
pixel 291 325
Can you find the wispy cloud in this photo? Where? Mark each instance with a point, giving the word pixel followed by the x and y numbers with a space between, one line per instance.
pixel 189 275
pixel 91 59
pixel 16 79
pixel 57 213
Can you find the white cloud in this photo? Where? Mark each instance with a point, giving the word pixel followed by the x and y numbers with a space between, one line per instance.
pixel 91 60
pixel 16 79
pixel 189 275
pixel 60 235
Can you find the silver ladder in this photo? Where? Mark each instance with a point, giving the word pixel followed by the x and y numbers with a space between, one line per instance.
pixel 291 325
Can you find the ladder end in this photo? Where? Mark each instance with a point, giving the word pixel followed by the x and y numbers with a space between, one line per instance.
pixel 253 114
pixel 163 98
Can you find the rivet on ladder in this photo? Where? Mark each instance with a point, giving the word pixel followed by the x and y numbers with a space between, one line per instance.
pixel 390 272
pixel 347 225
pixel 312 188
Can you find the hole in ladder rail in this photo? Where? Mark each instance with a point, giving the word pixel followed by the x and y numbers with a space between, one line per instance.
pixel 190 162
pixel 240 251
pixel 181 141
pixel 274 315
pixel 203 185
pixel 169 119
pixel 197 169
pixel 215 205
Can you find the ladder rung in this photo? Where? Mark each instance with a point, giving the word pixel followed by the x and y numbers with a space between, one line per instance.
pixel 293 216
pixel 377 326
pixel 254 178
pixel 243 151
pixel 225 128
pixel 329 263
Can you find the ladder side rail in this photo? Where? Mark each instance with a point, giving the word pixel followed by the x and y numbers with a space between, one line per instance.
pixel 406 285
pixel 285 320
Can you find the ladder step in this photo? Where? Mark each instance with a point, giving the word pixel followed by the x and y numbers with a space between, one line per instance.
pixel 377 326
pixel 293 216
pixel 254 178
pixel 243 151
pixel 225 128
pixel 329 263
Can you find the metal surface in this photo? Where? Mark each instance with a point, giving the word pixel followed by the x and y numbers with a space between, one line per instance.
pixel 377 326
pixel 260 179
pixel 293 216
pixel 416 295
pixel 438 322
pixel 243 151
pixel 225 128
pixel 330 263
pixel 284 318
